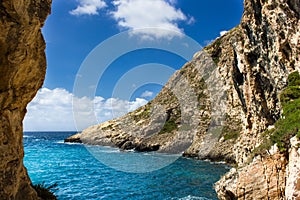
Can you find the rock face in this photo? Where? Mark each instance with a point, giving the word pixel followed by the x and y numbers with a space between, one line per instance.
pixel 292 190
pixel 263 178
pixel 22 72
pixel 250 65
pixel 274 176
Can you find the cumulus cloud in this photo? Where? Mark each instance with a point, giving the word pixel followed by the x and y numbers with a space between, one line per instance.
pixel 145 17
pixel 52 110
pixel 147 94
pixel 223 33
pixel 88 7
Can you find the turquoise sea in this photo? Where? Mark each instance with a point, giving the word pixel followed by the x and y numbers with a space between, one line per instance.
pixel 80 176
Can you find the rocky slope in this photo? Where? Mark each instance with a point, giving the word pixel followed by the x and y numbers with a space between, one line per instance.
pixel 219 104
pixel 22 72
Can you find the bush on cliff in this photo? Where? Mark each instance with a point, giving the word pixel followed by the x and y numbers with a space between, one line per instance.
pixel 294 79
pixel 289 123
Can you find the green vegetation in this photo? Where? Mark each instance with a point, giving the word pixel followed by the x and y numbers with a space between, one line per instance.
pixel 231 135
pixel 216 54
pixel 169 126
pixel 144 113
pixel 294 79
pixel 45 192
pixel 289 94
pixel 289 124
pixel 232 129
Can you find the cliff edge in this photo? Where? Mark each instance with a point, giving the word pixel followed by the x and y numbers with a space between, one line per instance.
pixel 22 72
pixel 251 64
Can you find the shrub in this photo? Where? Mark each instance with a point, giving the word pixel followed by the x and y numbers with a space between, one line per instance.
pixel 232 130
pixel 290 93
pixel 169 126
pixel 231 135
pixel 45 192
pixel 289 124
pixel 294 79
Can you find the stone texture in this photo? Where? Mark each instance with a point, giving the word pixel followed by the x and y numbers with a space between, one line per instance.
pixel 22 72
pixel 264 178
pixel 292 190
pixel 250 64
pixel 274 176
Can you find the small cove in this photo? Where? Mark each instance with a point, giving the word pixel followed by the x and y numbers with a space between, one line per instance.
pixel 79 175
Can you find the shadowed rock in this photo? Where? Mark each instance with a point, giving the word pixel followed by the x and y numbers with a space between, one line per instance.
pixel 22 72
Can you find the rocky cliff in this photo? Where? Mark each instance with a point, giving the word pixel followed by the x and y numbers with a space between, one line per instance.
pixel 22 72
pixel 219 104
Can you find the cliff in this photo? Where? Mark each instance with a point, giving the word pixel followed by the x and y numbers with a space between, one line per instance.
pixel 224 116
pixel 22 72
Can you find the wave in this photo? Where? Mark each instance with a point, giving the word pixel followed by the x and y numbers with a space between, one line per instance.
pixel 68 143
pixel 189 197
pixel 27 136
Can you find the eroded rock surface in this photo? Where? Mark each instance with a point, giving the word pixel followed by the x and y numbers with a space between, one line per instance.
pixel 264 178
pixel 22 72
pixel 292 190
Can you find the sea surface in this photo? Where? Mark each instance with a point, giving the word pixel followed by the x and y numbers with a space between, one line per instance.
pixel 79 175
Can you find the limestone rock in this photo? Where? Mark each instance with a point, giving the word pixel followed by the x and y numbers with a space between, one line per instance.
pixel 73 139
pixel 22 72
pixel 264 178
pixel 292 190
pixel 274 176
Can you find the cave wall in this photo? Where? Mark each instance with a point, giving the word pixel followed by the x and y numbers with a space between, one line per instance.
pixel 22 72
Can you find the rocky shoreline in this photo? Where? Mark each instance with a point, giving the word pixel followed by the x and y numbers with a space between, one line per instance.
pixel 253 62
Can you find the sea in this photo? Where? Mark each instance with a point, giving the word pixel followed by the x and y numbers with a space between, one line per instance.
pixel 81 175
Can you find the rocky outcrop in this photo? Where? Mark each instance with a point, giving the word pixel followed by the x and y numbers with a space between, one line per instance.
pixel 263 178
pixel 275 176
pixel 292 190
pixel 249 66
pixel 22 72
pixel 271 51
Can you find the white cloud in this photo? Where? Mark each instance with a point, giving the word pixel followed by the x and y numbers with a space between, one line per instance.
pixel 88 7
pixel 52 110
pixel 191 20
pixel 147 94
pixel 208 42
pixel 144 17
pixel 172 1
pixel 223 33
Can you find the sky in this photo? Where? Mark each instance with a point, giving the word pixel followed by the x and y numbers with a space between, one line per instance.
pixel 77 28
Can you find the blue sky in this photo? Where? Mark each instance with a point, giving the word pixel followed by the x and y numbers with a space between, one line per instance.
pixel 76 27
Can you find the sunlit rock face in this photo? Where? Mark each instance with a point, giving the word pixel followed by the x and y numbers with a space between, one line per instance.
pixel 22 72
pixel 267 50
pixel 252 62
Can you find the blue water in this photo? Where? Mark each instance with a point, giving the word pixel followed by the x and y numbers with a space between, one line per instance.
pixel 80 175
